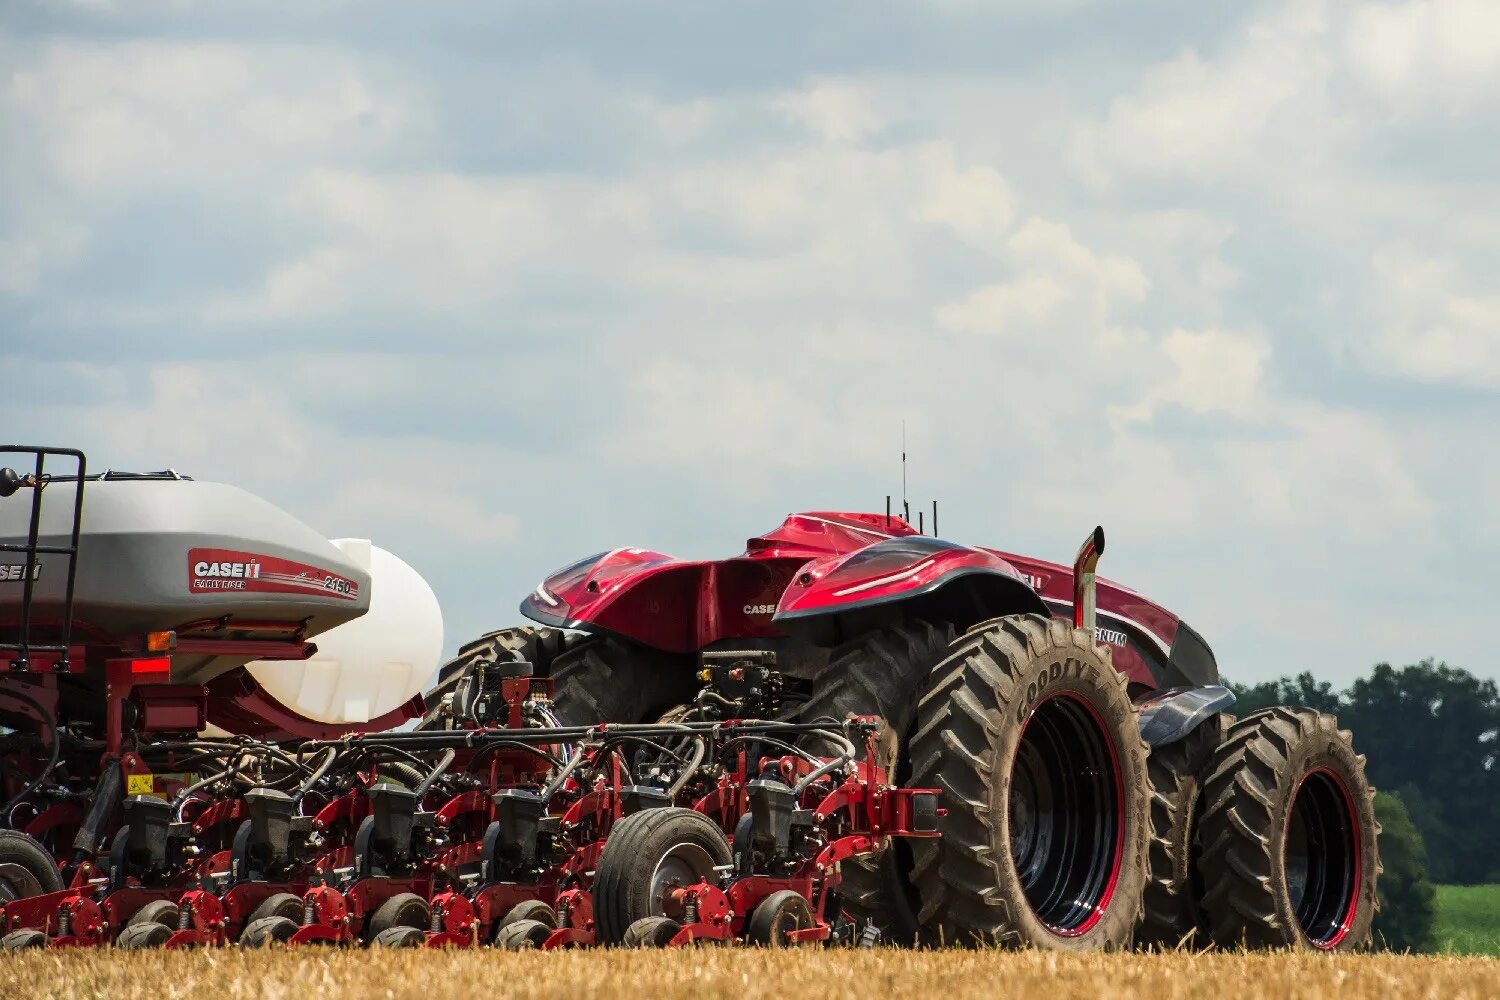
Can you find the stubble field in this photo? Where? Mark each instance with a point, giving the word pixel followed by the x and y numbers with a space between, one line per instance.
pixel 232 974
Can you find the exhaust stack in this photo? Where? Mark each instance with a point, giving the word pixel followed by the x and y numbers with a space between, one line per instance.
pixel 1083 579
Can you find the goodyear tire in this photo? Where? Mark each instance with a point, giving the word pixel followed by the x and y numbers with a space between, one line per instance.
pixel 646 855
pixel 1289 854
pixel 26 867
pixel 1173 911
pixel 601 679
pixel 535 645
pixel 1028 732
pixel 880 673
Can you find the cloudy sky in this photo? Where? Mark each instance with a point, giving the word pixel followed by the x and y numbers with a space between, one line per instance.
pixel 499 284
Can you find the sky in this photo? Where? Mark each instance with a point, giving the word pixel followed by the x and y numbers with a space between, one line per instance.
pixel 501 284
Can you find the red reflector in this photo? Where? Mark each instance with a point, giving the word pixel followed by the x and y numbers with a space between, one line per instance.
pixel 156 665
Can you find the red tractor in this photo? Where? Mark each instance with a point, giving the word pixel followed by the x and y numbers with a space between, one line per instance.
pixel 1095 790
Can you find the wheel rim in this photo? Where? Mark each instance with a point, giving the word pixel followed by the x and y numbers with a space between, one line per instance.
pixel 1320 856
pixel 1065 809
pixel 682 865
pixel 18 882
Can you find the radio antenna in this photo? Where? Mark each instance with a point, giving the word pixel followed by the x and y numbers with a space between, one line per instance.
pixel 905 507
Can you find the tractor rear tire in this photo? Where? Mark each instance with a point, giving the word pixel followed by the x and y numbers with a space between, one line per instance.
pixel 1289 852
pixel 405 909
pixel 646 853
pixel 535 645
pixel 266 931
pixel 1030 735
pixel 26 867
pixel 880 673
pixel 1174 914
pixel 603 679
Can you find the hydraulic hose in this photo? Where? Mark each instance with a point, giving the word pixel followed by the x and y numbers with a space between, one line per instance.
pixel 436 773
pixel 50 721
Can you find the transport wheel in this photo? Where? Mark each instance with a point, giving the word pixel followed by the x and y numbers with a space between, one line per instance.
pixel 521 935
pixel 23 940
pixel 266 931
pixel 531 909
pixel 400 937
pixel 1173 916
pixel 1030 735
pixel 406 909
pixel 647 855
pixel 26 867
pixel 777 915
pixel 602 679
pixel 283 904
pixel 650 932
pixel 1289 856
pixel 158 911
pixel 535 645
pixel 147 935
pixel 880 673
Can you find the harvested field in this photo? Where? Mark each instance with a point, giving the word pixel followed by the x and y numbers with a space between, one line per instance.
pixel 705 973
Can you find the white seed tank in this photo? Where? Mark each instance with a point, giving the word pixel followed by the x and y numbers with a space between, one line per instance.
pixel 369 666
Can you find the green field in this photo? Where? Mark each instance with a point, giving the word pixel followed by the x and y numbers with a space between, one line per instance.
pixel 1468 919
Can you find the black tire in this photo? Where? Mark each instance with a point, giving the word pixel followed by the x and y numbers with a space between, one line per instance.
pixel 602 679
pixel 1173 911
pixel 400 936
pixel 531 909
pixel 283 904
pixel 1289 836
pixel 23 940
pixel 645 853
pixel 266 931
pixel 650 932
pixel 26 867
pixel 147 935
pixel 522 935
pixel 1030 735
pixel 406 909
pixel 534 644
pixel 880 673
pixel 158 911
pixel 776 916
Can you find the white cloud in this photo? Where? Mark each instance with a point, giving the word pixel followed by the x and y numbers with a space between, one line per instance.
pixel 1427 52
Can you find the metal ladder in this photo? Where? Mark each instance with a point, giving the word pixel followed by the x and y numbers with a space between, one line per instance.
pixel 37 481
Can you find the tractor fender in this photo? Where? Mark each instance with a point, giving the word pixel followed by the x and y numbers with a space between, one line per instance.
pixel 915 575
pixel 1171 715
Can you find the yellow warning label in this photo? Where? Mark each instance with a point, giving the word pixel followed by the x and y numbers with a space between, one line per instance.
pixel 138 784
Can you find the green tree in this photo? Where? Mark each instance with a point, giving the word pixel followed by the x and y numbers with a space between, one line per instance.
pixel 1408 900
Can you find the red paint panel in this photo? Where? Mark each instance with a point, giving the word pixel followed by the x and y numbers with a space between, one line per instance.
pixel 216 571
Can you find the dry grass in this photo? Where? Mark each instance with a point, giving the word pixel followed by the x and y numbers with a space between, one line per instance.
pixel 716 972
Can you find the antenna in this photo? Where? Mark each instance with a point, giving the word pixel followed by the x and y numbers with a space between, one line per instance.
pixel 934 519
pixel 905 507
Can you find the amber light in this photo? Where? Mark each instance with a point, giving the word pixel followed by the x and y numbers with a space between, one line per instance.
pixel 161 642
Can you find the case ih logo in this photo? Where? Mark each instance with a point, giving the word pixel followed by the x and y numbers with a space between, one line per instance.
pixel 760 609
pixel 213 571
pixel 17 573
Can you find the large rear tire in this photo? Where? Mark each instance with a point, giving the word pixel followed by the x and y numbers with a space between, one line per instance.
pixel 1030 735
pixel 603 679
pixel 534 644
pixel 1289 853
pixel 1174 915
pixel 880 673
